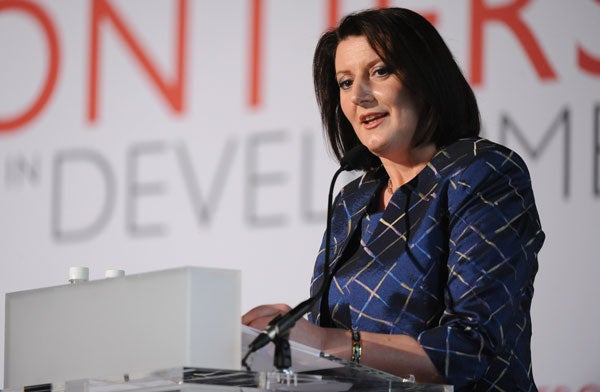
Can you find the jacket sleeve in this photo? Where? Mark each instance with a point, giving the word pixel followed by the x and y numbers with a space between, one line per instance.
pixel 494 238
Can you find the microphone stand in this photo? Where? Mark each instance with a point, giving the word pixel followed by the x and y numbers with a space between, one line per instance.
pixel 278 329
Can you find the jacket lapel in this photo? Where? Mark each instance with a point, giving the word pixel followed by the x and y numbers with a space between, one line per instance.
pixel 354 202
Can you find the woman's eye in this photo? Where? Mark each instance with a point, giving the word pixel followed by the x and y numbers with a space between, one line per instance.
pixel 381 71
pixel 345 84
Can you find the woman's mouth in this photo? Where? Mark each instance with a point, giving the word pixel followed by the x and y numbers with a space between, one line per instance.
pixel 371 120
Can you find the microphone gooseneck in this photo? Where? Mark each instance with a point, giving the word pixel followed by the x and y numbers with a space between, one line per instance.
pixel 281 325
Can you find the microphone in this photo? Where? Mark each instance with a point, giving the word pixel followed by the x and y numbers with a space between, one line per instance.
pixel 280 325
pixel 354 159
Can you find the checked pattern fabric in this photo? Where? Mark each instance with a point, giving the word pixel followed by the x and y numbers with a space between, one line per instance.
pixel 451 262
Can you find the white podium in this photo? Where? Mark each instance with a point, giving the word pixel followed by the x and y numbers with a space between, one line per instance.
pixel 165 331
pixel 178 317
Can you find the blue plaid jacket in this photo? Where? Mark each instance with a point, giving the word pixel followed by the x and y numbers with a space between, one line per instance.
pixel 451 262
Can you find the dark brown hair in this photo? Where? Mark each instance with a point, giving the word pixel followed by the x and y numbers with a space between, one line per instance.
pixel 414 50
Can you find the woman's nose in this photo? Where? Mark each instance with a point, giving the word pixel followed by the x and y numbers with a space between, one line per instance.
pixel 361 93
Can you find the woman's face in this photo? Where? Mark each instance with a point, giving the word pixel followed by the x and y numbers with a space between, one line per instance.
pixel 374 100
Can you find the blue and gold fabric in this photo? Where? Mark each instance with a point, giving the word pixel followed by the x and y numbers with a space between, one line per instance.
pixel 451 262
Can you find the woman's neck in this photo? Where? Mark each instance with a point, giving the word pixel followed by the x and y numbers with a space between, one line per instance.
pixel 402 168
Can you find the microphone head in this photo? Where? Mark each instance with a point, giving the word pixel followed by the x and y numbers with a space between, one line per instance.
pixel 359 157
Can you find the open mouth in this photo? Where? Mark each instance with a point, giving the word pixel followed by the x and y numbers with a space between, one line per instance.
pixel 371 118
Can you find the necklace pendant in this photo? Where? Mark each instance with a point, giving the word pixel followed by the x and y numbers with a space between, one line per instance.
pixel 389 187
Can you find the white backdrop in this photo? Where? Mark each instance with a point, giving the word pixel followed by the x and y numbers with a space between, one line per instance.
pixel 145 135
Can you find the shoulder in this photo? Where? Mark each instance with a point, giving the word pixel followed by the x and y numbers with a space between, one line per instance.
pixel 489 179
pixel 477 157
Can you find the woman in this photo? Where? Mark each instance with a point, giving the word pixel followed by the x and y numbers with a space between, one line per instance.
pixel 434 249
